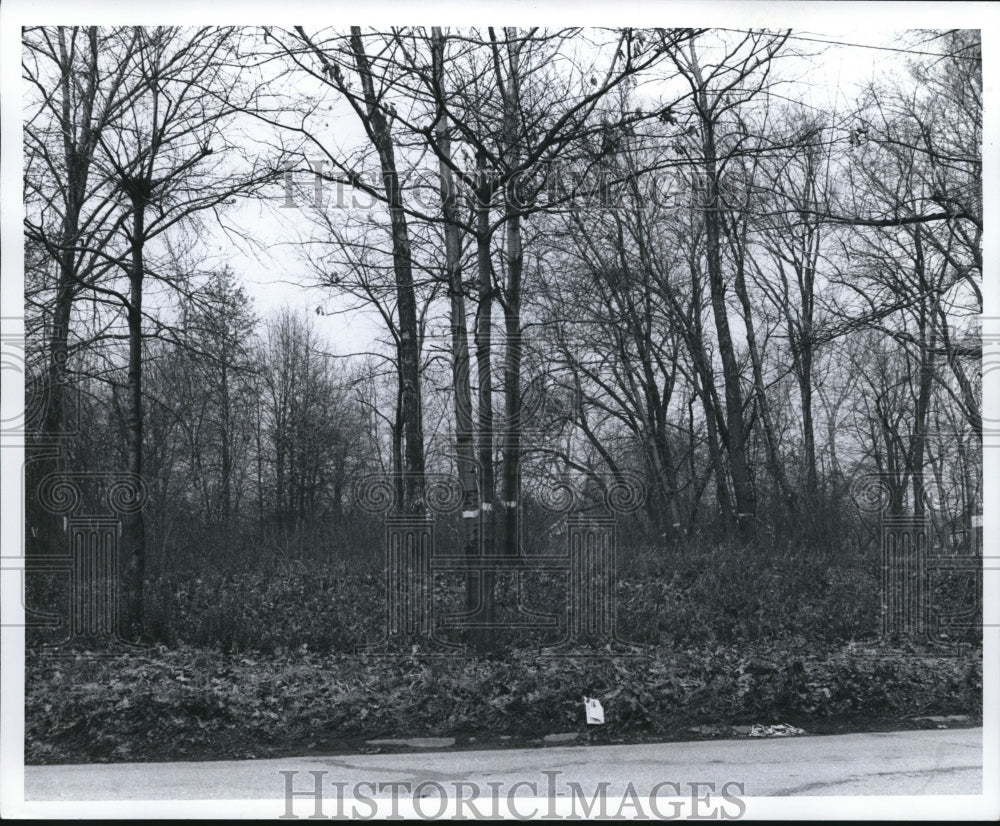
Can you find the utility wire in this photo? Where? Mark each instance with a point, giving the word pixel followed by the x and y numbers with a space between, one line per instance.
pixel 854 45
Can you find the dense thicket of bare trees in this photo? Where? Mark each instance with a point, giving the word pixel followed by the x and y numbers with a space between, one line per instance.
pixel 593 253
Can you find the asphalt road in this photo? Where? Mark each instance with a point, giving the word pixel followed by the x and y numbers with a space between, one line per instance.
pixel 934 762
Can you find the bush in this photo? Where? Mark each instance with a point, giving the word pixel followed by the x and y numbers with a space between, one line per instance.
pixel 698 592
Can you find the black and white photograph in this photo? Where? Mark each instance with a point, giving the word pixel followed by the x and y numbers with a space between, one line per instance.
pixel 443 419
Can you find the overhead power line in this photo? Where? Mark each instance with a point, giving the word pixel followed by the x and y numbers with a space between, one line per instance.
pixel 855 45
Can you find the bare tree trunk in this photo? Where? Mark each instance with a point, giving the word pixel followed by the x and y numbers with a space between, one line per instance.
pixel 804 348
pixel 808 425
pixel 735 430
pixel 715 452
pixel 259 444
pixel 397 437
pixel 77 156
pixel 47 537
pixel 928 343
pixel 774 459
pixel 409 342
pixel 133 524
pixel 225 448
pixel 484 347
pixel 704 386
pixel 511 97
pixel 460 363
pixel 512 385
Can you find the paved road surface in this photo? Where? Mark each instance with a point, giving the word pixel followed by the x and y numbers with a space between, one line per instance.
pixel 894 763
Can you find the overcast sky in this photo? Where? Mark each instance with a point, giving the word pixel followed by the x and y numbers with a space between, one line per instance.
pixel 827 76
pixel 828 79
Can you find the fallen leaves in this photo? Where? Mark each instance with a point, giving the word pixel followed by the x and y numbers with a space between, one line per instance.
pixel 136 707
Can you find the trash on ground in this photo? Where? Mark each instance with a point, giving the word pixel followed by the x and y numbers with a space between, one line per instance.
pixel 595 711
pixel 779 730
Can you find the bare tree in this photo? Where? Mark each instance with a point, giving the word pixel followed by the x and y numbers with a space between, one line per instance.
pixel 168 160
pixel 350 54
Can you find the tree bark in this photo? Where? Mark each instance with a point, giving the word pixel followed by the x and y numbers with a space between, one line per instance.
pixel 735 430
pixel 770 439
pixel 409 342
pixel 484 348
pixel 928 343
pixel 134 531
pixel 511 97
pixel 460 363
